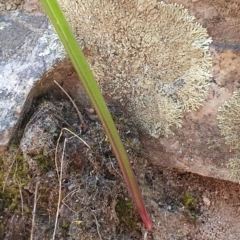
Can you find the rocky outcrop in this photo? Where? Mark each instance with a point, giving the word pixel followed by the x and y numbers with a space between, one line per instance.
pixel 28 48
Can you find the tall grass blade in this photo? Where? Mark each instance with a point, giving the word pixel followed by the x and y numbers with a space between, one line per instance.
pixel 68 39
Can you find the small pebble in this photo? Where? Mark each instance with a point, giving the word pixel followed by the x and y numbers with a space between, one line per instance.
pixel 206 201
pixel 8 6
pixel 71 186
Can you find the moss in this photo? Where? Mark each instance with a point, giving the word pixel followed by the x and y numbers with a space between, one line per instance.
pixel 44 163
pixel 126 213
pixel 14 176
pixel 9 199
pixel 21 172
pixel 190 210
pixel 188 201
pixel 65 225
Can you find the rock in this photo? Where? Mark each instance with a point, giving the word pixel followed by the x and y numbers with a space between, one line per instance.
pixel 28 48
pixel 8 6
pixel 206 201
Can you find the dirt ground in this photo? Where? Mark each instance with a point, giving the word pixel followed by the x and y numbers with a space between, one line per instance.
pixel 41 168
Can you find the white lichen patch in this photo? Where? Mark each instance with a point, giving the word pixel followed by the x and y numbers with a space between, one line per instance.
pixel 161 112
pixel 229 120
pixel 229 124
pixel 150 56
pixel 234 165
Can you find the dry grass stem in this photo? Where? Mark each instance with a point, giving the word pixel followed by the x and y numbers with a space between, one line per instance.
pixel 145 235
pixel 63 200
pixel 60 187
pixel 73 103
pixel 58 140
pixel 77 137
pixel 34 210
pixel 97 224
pixel 21 196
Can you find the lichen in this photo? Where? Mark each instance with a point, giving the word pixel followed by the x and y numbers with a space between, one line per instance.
pixel 229 125
pixel 234 165
pixel 229 120
pixel 164 114
pixel 151 57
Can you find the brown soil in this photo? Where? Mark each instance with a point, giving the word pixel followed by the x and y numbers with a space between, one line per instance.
pixel 94 201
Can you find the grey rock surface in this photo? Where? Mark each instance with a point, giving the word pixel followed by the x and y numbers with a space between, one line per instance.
pixel 28 48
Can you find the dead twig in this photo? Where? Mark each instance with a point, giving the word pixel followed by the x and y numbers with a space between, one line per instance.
pixel 77 137
pixel 21 196
pixel 58 140
pixel 145 235
pixel 73 103
pixel 97 224
pixel 34 210
pixel 63 200
pixel 60 188
pixel 56 150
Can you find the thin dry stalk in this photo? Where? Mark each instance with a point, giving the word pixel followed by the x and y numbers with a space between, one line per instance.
pixel 63 200
pixel 73 103
pixel 56 150
pixel 21 196
pixel 145 235
pixel 9 170
pixel 97 224
pixel 58 140
pixel 34 210
pixel 77 137
pixel 60 189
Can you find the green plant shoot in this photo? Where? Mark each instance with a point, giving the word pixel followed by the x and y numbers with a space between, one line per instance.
pixel 74 51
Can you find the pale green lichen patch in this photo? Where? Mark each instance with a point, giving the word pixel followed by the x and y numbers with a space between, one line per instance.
pixel 234 165
pixel 229 120
pixel 229 124
pixel 163 114
pixel 151 57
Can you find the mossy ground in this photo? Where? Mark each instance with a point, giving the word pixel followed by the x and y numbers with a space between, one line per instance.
pixel 95 203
